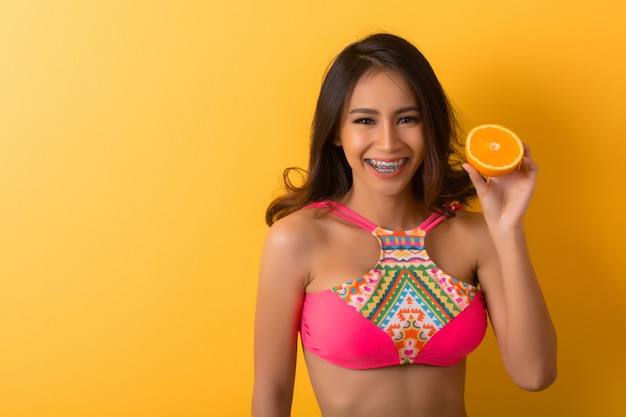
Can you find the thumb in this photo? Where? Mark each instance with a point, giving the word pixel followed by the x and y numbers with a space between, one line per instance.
pixel 475 177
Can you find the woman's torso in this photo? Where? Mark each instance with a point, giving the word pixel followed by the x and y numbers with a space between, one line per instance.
pixel 344 251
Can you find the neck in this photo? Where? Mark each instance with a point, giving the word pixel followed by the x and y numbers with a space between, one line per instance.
pixel 398 212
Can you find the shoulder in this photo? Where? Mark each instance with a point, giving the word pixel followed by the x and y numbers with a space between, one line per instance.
pixel 295 232
pixel 472 227
pixel 292 241
pixel 468 229
pixel 469 221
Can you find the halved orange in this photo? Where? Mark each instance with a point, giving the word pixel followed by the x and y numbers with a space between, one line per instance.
pixel 493 150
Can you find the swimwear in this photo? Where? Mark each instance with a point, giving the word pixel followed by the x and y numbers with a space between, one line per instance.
pixel 404 311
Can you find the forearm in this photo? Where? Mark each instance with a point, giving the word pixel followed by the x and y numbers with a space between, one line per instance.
pixel 529 338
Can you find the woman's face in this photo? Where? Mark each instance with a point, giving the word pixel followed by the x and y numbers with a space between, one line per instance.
pixel 382 134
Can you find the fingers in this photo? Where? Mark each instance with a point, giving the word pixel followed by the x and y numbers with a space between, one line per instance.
pixel 527 167
pixel 527 161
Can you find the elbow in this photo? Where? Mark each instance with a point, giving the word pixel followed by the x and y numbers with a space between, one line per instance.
pixel 267 402
pixel 538 380
pixel 536 370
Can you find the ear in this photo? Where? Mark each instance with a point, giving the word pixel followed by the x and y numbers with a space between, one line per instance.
pixel 337 141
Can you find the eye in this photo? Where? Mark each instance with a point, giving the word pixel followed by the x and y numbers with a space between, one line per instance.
pixel 409 119
pixel 364 121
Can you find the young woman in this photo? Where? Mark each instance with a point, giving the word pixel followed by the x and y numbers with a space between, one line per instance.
pixel 375 263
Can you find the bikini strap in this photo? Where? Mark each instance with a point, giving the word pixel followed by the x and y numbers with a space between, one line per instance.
pixel 360 221
pixel 345 213
pixel 437 217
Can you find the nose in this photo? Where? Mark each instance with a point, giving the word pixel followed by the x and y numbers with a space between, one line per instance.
pixel 388 139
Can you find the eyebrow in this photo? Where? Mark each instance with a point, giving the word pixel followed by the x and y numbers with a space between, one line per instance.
pixel 372 111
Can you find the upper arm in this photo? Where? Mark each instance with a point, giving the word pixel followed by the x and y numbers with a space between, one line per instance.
pixel 489 274
pixel 283 276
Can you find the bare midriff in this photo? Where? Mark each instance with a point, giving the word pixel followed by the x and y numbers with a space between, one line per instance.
pixel 393 391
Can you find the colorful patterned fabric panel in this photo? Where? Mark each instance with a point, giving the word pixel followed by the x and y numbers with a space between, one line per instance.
pixel 405 294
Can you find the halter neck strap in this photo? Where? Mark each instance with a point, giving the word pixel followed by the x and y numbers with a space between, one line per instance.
pixel 351 216
pixel 346 214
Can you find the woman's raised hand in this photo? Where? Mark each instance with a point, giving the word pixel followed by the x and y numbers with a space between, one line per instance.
pixel 505 199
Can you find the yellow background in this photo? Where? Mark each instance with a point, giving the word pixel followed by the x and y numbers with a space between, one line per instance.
pixel 140 142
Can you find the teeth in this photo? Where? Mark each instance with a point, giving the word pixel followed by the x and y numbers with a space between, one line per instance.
pixel 386 167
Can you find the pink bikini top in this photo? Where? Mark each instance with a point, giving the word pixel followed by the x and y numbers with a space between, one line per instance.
pixel 404 311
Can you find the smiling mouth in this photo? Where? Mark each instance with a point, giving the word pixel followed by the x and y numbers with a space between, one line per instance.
pixel 386 167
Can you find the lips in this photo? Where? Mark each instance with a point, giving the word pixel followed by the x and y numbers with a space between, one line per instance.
pixel 386 167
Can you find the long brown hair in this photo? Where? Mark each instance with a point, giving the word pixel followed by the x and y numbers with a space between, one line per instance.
pixel 438 181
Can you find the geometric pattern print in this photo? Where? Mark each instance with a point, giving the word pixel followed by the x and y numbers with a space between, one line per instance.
pixel 405 294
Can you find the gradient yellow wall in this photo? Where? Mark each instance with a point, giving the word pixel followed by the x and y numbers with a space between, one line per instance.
pixel 140 142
